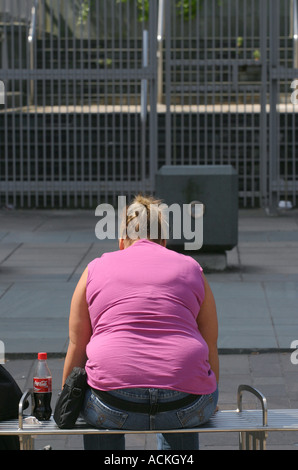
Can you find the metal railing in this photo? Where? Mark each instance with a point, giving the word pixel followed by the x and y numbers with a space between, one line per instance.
pixel 98 103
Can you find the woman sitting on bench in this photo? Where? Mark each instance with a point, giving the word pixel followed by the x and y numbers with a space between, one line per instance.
pixel 143 323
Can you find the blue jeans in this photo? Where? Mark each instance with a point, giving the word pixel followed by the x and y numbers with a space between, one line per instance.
pixel 100 415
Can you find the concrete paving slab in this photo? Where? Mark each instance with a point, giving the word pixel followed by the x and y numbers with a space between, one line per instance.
pixel 256 294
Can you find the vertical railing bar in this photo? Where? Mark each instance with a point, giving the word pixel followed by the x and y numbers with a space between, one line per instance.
pixel 160 41
pixel 252 135
pixel 254 132
pixel 197 114
pixel 97 152
pixel 293 117
pixel 28 126
pixel 121 88
pixel 244 144
pixel 182 93
pixel 6 126
pixel 38 156
pixel 221 117
pixel 90 86
pixel 144 109
pixel 107 115
pixel 113 101
pixel 174 142
pixel 206 114
pixel 252 22
pixel 67 117
pixel 37 178
pixel 278 117
pixel 273 150
pixel 168 33
pixel 229 94
pixel 82 116
pixel 294 35
pixel 189 101
pixel 213 81
pixel 236 93
pixel 287 116
pixel 294 31
pixel 75 117
pixel 129 104
pixel 44 95
pixel 263 124
pixel 153 148
pixel 136 99
pixel 21 162
pixel 52 109
pixel 60 177
pixel 292 126
pixel 13 115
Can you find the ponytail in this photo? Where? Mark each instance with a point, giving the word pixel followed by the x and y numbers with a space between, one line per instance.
pixel 144 218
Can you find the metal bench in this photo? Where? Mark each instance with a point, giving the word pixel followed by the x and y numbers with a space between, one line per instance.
pixel 253 426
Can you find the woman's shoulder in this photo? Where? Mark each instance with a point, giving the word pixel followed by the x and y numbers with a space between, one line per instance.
pixel 187 259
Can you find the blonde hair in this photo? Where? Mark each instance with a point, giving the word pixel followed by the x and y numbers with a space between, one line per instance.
pixel 144 218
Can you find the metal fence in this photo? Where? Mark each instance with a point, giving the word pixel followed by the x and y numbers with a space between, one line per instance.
pixel 99 94
pixel 79 80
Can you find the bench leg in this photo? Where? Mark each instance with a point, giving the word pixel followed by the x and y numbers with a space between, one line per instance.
pixel 252 440
pixel 26 443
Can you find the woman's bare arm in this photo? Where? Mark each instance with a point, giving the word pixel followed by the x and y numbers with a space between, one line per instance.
pixel 79 329
pixel 208 327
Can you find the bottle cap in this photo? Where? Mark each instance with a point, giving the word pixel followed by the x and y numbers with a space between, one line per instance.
pixel 42 356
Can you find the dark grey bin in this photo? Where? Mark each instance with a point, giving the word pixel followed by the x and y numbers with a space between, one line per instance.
pixel 216 187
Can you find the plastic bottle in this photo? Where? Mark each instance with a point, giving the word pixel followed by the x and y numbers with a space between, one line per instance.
pixel 42 389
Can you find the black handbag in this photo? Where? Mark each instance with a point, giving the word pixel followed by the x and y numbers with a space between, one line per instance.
pixel 71 398
pixel 10 395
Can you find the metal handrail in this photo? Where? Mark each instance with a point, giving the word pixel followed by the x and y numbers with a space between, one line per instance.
pixel 31 40
pixel 259 395
pixel 23 405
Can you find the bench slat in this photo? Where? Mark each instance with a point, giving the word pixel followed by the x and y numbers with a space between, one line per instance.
pixel 222 421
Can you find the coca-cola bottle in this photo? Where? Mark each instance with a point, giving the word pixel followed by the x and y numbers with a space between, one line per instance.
pixel 42 389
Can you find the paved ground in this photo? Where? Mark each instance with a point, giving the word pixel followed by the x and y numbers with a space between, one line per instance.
pixel 43 253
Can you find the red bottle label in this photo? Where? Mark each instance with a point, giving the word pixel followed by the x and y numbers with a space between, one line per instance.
pixel 42 385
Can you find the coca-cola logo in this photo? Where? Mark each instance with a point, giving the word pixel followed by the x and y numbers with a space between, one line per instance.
pixel 42 385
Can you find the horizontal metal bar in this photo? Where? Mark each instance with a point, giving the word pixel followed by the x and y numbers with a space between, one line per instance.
pixel 215 62
pixel 69 186
pixel 78 74
pixel 211 88
pixel 278 73
pixel 289 185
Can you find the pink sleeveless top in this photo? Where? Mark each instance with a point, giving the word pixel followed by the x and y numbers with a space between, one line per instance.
pixel 143 303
